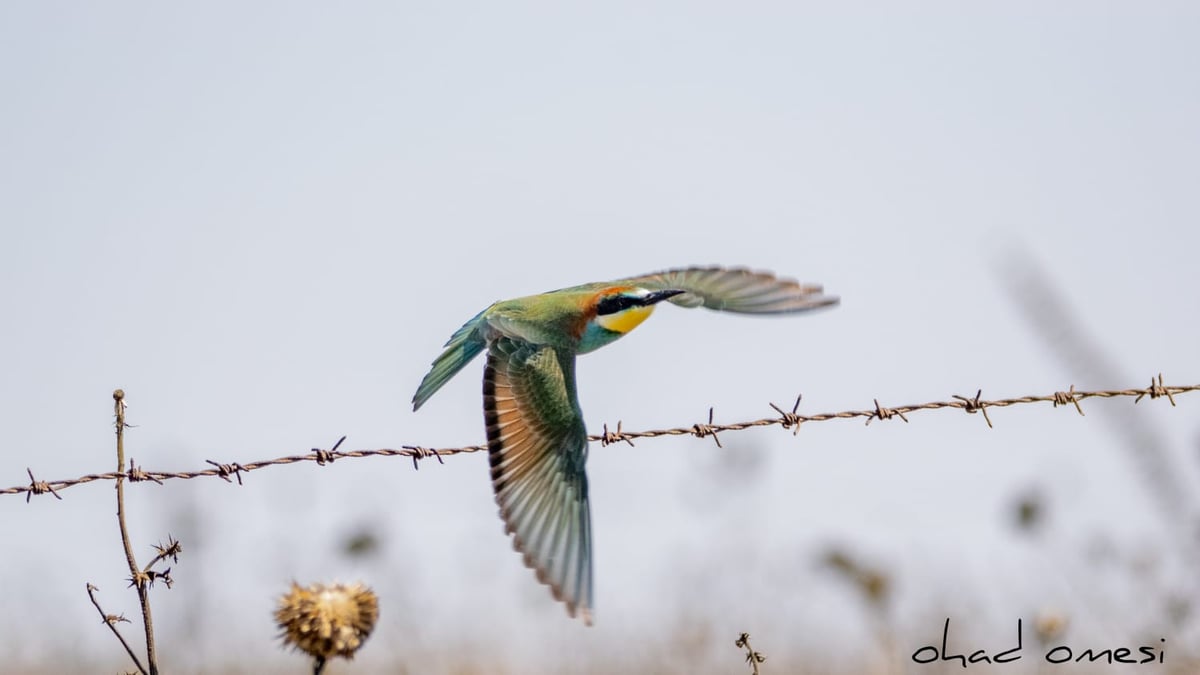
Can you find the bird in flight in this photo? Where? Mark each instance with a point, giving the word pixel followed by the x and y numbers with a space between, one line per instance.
pixel 537 443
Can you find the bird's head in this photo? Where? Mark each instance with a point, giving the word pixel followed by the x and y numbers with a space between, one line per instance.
pixel 620 309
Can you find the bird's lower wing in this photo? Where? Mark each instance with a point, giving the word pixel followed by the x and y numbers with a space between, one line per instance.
pixel 537 446
pixel 735 289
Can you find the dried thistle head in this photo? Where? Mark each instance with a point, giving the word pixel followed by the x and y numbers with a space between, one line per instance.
pixel 325 621
pixel 1050 623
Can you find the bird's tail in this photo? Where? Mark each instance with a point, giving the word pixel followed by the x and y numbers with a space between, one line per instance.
pixel 464 345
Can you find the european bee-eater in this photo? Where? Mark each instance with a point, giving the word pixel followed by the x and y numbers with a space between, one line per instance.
pixel 537 444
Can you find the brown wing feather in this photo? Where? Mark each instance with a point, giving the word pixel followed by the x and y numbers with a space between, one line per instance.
pixel 537 447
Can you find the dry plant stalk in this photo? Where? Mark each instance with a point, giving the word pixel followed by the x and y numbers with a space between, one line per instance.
pixel 140 578
pixel 752 657
pixel 111 620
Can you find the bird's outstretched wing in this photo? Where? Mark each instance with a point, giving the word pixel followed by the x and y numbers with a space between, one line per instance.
pixel 537 446
pixel 735 289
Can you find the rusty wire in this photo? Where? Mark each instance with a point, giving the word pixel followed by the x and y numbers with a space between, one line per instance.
pixel 788 420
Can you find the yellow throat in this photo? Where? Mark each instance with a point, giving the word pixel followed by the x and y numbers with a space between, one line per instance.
pixel 625 320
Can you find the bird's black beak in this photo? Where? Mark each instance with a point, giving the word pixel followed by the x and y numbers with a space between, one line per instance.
pixel 658 296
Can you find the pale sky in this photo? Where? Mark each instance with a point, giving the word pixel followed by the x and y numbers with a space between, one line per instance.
pixel 262 221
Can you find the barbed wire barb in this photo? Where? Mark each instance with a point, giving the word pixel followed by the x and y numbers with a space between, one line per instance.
pixel 700 430
pixel 790 420
pixel 882 413
pixel 224 470
pixel 37 487
pixel 974 405
pixel 419 453
pixel 324 457
pixel 609 437
pixel 787 420
pixel 1155 390
pixel 1065 397
pixel 136 474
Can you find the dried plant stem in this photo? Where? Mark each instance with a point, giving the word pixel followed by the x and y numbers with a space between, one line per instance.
pixel 752 657
pixel 171 550
pixel 318 665
pixel 137 578
pixel 111 621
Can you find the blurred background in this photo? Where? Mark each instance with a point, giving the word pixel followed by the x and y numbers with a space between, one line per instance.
pixel 263 220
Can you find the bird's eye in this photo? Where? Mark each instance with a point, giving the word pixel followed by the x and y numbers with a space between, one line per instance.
pixel 616 303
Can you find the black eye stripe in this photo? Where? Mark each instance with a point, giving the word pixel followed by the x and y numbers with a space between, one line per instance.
pixel 616 303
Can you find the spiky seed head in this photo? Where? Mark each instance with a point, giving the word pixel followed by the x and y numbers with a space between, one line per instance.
pixel 327 620
pixel 1050 623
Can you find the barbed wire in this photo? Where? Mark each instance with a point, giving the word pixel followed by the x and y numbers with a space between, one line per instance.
pixel 788 420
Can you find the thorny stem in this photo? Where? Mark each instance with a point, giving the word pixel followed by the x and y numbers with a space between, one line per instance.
pixel 136 576
pixel 171 550
pixel 752 657
pixel 111 622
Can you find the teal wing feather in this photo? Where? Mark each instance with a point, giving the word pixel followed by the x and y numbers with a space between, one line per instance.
pixel 537 447
pixel 466 343
pixel 735 289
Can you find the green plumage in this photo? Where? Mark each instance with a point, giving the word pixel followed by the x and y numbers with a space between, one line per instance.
pixel 537 443
pixel 460 349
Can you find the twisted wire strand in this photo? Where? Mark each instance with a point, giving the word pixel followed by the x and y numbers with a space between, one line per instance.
pixel 788 420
